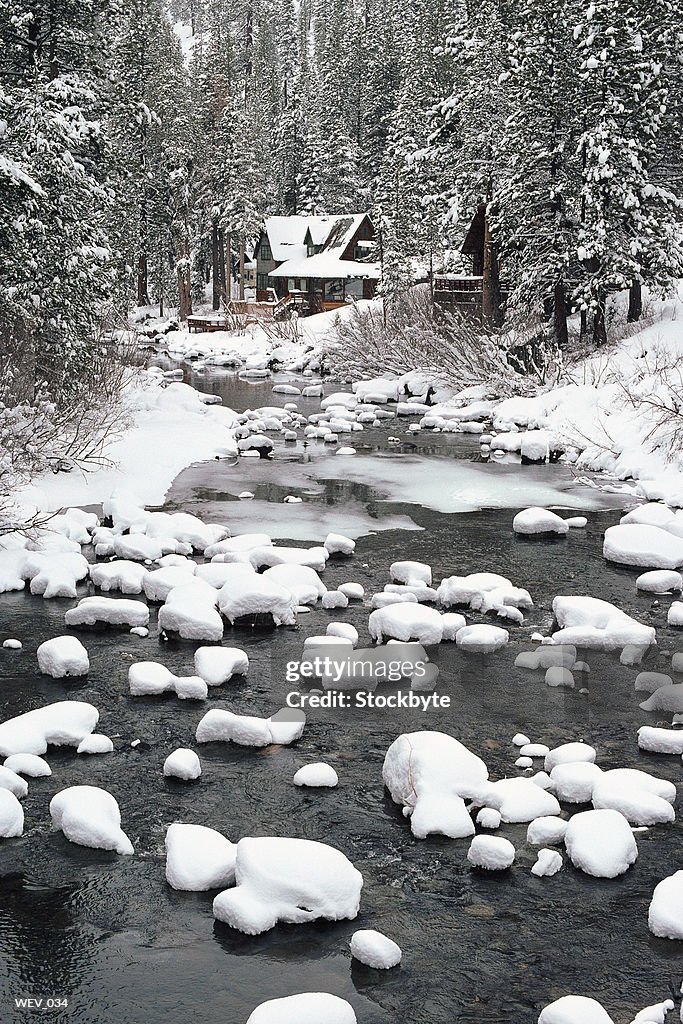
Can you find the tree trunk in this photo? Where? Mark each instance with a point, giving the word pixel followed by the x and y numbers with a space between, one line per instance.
pixel 490 285
pixel 143 296
pixel 599 325
pixel 560 331
pixel 241 268
pixel 215 273
pixel 635 302
pixel 583 331
pixel 228 267
pixel 221 265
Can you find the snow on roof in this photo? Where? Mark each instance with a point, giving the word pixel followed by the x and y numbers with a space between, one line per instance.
pixel 334 234
pixel 287 234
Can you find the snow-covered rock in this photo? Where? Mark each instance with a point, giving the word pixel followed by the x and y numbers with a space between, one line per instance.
pixel 573 782
pixel 665 698
pixel 406 621
pixel 354 591
pixel 548 829
pixel 219 725
pixel 305 1008
pixel 431 774
pixel 290 880
pixel 674 616
pixel 300 580
pixel 548 863
pixel 411 572
pixel 488 817
pixel 374 949
pixel 198 858
pixel 338 544
pixel 601 843
pixel 270 555
pixel 13 782
pixel 591 622
pixel 640 544
pixel 90 816
pixel 122 575
pixel 660 741
pixel 660 581
pixel 159 583
pixel 257 596
pixel 11 815
pixel 63 656
pixel 183 764
pixel 55 573
pixel 96 743
pixel 28 764
pixel 574 1010
pixel 107 610
pixel 482 638
pixel 12 644
pixel 65 723
pixel 492 853
pixel 318 774
pixel 334 599
pixel 190 612
pixel 342 630
pixel 217 665
pixel 137 547
pixel 452 623
pixel 531 521
pixel 149 679
pixel 640 797
pixel 568 753
pixel 484 592
pixel 521 800
pixel 665 916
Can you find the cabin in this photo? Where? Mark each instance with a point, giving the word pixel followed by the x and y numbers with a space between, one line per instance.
pixel 316 263
pixel 465 292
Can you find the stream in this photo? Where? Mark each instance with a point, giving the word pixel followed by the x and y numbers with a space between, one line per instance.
pixel 109 935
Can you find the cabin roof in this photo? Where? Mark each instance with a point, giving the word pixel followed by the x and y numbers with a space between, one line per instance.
pixel 287 235
pixel 328 263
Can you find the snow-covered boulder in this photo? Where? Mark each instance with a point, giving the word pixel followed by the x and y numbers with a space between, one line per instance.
pixel 217 665
pixel 11 815
pixel 548 863
pixel 65 723
pixel 640 797
pixel 406 621
pixel 149 679
pixel 190 612
pixel 521 800
pixel 13 782
pixel 159 583
pixel 96 743
pixel 575 1010
pixel 431 774
pixel 55 573
pixel 674 616
pixel 290 880
pixel 491 853
pixel 591 622
pixel 182 764
pixel 533 521
pixel 318 774
pixel 217 574
pixel 374 949
pixel 640 544
pixel 569 753
pixel 452 623
pixel 601 843
pixel 121 574
pixel 91 611
pixel 484 592
pixel 338 544
pixel 546 830
pixel 300 580
pixel 137 547
pixel 482 638
pixel 343 631
pixel 660 741
pixel 305 1008
pixel 270 555
pixel 219 725
pixel 573 782
pixel 660 581
pixel 652 513
pixel 665 698
pixel 257 596
pixel 63 656
pixel 90 816
pixel 665 916
pixel 411 572
pixel 354 591
pixel 198 858
pixel 29 764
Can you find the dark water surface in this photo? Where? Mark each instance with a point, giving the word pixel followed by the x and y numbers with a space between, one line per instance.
pixel 110 935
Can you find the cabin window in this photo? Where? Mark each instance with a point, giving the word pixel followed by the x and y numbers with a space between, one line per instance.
pixel 262 282
pixel 265 252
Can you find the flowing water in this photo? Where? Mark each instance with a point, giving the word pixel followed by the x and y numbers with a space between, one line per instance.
pixel 108 934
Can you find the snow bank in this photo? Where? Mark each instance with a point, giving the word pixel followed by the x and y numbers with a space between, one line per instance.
pixel 63 656
pixel 198 858
pixel 90 816
pixel 431 774
pixel 290 880
pixel 374 949
pixel 65 723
